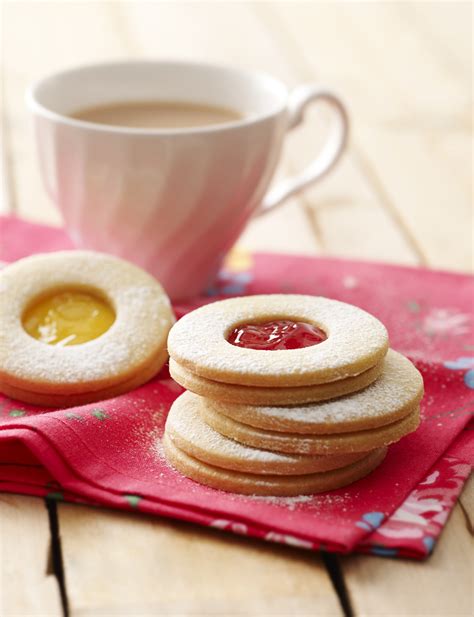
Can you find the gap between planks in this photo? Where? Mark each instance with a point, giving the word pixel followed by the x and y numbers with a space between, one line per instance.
pixel 27 584
pixel 56 556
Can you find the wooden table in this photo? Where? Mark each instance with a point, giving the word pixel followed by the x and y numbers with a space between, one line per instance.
pixel 402 194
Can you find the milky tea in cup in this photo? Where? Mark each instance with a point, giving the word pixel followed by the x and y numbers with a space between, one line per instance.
pixel 157 114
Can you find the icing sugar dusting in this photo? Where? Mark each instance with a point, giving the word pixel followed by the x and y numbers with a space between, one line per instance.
pixel 356 340
pixel 316 502
pixel 143 319
pixel 185 420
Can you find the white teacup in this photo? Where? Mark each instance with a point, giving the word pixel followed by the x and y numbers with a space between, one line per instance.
pixel 171 200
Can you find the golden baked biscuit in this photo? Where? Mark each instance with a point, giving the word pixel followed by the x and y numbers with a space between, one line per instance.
pixel 79 326
pixel 49 399
pixel 396 393
pixel 187 430
pixel 255 395
pixel 255 484
pixel 352 341
pixel 298 443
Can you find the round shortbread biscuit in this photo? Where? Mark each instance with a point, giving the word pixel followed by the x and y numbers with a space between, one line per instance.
pixel 132 350
pixel 254 484
pixel 356 341
pixel 395 394
pixel 297 443
pixel 254 395
pixel 188 431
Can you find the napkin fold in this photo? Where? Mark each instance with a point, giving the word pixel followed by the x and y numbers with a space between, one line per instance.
pixel 110 454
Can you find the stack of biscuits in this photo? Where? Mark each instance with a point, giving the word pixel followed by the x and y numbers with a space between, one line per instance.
pixel 290 415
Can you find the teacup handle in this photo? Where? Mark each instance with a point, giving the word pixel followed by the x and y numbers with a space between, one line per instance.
pixel 299 99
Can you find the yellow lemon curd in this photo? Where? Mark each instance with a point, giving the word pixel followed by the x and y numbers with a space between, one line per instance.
pixel 68 318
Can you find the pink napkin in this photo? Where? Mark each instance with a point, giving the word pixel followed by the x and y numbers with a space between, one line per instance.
pixel 110 453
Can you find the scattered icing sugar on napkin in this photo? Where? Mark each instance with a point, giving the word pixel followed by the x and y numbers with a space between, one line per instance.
pixel 109 453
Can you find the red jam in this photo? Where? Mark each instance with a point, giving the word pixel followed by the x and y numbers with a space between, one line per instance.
pixel 281 334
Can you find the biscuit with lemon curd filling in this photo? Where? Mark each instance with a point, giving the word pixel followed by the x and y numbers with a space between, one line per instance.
pixel 45 349
pixel 49 399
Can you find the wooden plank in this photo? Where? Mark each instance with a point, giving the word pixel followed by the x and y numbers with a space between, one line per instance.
pixel 441 585
pixel 456 148
pixel 375 41
pixel 394 125
pixel 446 28
pixel 150 566
pixel 204 34
pixel 28 586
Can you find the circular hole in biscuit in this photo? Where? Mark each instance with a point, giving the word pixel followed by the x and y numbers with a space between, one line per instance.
pixel 276 334
pixel 68 316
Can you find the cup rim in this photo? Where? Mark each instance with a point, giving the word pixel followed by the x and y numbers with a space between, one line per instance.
pixel 38 108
